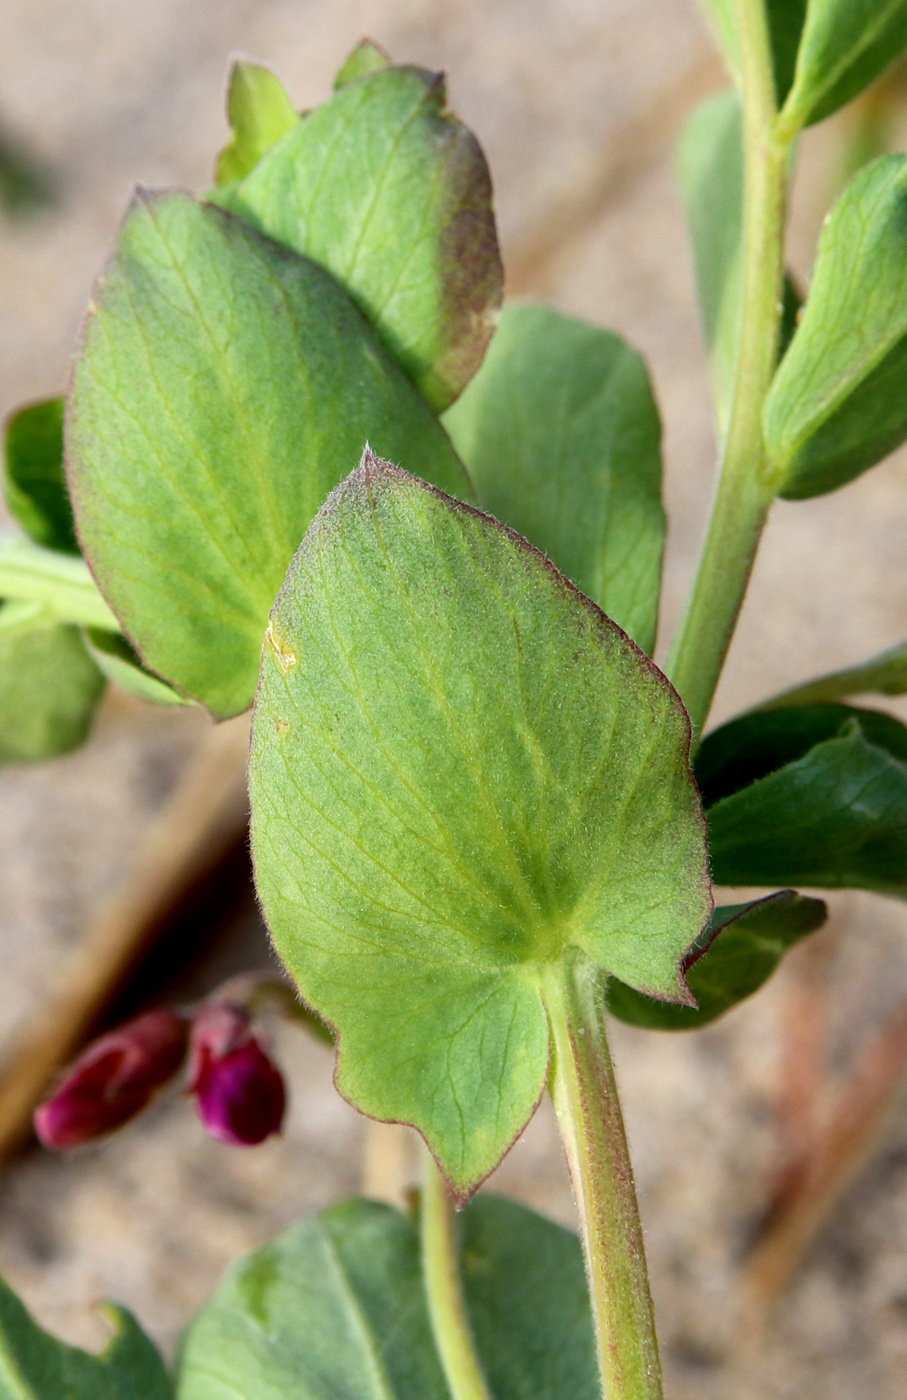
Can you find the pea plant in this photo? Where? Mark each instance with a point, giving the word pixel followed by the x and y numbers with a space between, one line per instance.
pixel 311 465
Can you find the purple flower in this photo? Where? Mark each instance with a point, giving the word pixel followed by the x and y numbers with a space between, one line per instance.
pixel 113 1080
pixel 240 1093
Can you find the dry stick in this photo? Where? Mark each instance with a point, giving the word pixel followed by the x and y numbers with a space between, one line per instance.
pixel 384 1162
pixel 804 1026
pixel 642 141
pixel 854 1125
pixel 204 816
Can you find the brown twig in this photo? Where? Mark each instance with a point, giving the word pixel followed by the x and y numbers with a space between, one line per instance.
pixel 853 1128
pixel 804 1081
pixel 205 815
pixel 384 1163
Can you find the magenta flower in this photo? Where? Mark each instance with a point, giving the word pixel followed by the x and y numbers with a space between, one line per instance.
pixel 115 1078
pixel 239 1092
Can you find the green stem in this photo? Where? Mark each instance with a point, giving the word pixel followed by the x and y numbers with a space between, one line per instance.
pixel 443 1284
pixel 591 1124
pixel 62 583
pixel 885 674
pixel 746 488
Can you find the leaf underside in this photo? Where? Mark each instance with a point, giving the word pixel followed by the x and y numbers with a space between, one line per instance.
pixel 460 769
pixel 222 389
pixel 561 436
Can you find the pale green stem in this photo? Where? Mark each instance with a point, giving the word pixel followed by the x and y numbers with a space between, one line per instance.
pixel 61 582
pixel 18 616
pixel 444 1287
pixel 588 1113
pixel 885 674
pixel 746 488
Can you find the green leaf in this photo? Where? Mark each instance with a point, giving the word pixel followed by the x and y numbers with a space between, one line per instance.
pixel 845 45
pixel 786 19
pixel 525 1286
pixel 120 663
pixel 710 168
pixel 561 436
pixel 885 674
pixel 335 1307
pixel 35 1366
pixel 35 478
pixel 753 745
pixel 49 686
pixel 461 770
pixel 839 402
pixel 385 188
pixel 223 387
pixel 260 113
pixel 367 57
pixel 834 818
pixel 740 950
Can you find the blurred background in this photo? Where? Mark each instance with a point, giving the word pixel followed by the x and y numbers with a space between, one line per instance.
pixel 578 104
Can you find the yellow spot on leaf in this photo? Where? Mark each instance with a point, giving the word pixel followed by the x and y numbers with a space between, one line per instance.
pixel 285 657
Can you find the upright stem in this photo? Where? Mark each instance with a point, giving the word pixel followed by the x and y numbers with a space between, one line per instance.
pixel 591 1124
pixel 443 1284
pixel 746 488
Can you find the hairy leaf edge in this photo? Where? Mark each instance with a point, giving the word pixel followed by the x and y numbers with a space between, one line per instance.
pixel 371 470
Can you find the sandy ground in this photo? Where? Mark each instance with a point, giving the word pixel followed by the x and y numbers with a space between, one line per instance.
pixel 578 105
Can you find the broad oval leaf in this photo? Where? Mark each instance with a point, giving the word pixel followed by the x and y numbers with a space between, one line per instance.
pixel 839 401
pixel 461 771
pixel 336 1307
pixel 35 479
pixel 385 188
pixel 49 686
pixel 739 951
pixel 834 818
pixel 561 435
pixel 36 1366
pixel 222 388
pixel 260 113
pixel 845 45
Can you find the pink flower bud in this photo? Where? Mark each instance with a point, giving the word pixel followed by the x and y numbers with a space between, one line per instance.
pixel 113 1080
pixel 239 1091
